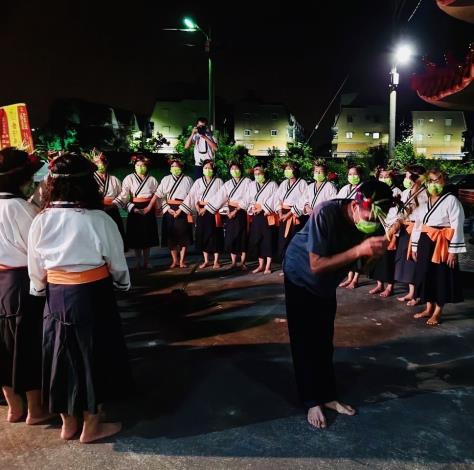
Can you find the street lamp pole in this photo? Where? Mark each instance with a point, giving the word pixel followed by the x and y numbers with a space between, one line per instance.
pixel 394 80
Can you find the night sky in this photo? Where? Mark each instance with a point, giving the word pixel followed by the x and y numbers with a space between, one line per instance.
pixel 118 54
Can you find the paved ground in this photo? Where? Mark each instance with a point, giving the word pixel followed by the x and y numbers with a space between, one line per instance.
pixel 211 360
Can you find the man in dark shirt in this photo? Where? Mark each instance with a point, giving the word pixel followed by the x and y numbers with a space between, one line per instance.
pixel 315 262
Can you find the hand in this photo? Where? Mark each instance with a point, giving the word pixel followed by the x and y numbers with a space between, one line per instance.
pixel 373 246
pixel 138 211
pixel 146 210
pixel 171 212
pixel 232 214
pixel 414 257
pixel 194 130
pixel 285 217
pixel 256 212
pixel 177 213
pixel 452 260
pixel 307 209
pixel 202 211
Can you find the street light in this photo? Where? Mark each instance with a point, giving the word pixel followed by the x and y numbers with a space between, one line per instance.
pixel 191 27
pixel 402 55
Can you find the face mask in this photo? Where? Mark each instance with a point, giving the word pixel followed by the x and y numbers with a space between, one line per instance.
pixel 260 179
pixel 176 170
pixel 28 189
pixel 319 177
pixel 407 183
pixel 141 169
pixel 235 173
pixel 101 168
pixel 435 189
pixel 387 181
pixel 367 226
pixel 208 172
pixel 353 179
pixel 288 174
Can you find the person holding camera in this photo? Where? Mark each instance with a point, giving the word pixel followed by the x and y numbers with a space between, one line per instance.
pixel 205 145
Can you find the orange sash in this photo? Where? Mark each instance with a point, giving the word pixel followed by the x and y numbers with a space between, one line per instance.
pixel 84 277
pixel 4 267
pixel 141 199
pixel 108 201
pixel 217 216
pixel 177 202
pixel 293 220
pixel 441 237
pixel 272 219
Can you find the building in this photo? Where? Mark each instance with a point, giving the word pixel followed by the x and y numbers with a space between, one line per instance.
pixel 172 117
pixel 439 134
pixel 260 126
pixel 357 128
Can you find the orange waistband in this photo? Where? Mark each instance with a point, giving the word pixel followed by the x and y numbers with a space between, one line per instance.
pixel 286 207
pixel 441 237
pixel 84 277
pixel 234 204
pixel 175 202
pixel 141 199
pixel 4 267
pixel 108 201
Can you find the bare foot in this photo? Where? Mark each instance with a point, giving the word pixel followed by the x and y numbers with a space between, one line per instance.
pixel 386 293
pixel 216 266
pixel 32 420
pixel 15 416
pixel 183 265
pixel 174 265
pixel 352 285
pixel 257 270
pixel 345 283
pixel 69 428
pixel 375 290
pixel 232 266
pixel 423 314
pixel 243 267
pixel 405 298
pixel 281 274
pixel 316 417
pixel 102 431
pixel 341 408
pixel 267 271
pixel 204 265
pixel 413 302
pixel 433 320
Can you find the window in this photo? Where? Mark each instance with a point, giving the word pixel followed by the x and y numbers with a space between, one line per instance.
pixel 274 116
pixel 291 133
pixel 448 122
pixel 256 131
pixel 420 121
pixel 349 135
pixel 431 120
pixel 367 134
pixel 376 135
pixel 419 137
pixel 421 150
pixel 249 146
pixel 350 118
pixel 247 132
pixel 274 132
pixel 447 137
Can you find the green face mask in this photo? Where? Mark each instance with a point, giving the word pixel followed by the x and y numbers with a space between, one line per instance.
pixel 176 170
pixel 407 183
pixel 141 169
pixel 101 168
pixel 353 179
pixel 319 177
pixel 387 181
pixel 208 172
pixel 260 179
pixel 367 226
pixel 288 174
pixel 235 173
pixel 435 189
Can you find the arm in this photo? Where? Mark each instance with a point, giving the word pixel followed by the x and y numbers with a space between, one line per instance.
pixel 36 270
pixel 212 143
pixel 190 142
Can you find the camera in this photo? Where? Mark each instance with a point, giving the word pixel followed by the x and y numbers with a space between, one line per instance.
pixel 201 130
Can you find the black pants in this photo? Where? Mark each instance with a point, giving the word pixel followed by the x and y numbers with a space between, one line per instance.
pixel 311 329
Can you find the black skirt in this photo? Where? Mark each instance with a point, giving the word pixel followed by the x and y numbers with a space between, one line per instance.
pixel 84 355
pixel 176 232
pixel 262 237
pixel 284 241
pixel 21 324
pixel 404 268
pixel 235 233
pixel 113 212
pixel 435 282
pixel 384 268
pixel 142 230
pixel 209 237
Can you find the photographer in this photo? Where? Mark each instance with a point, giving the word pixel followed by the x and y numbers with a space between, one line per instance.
pixel 204 145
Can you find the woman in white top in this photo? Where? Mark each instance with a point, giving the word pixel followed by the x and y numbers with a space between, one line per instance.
pixel 21 314
pixel 437 239
pixel 319 191
pixel 209 233
pixel 349 191
pixel 136 197
pixel 76 258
